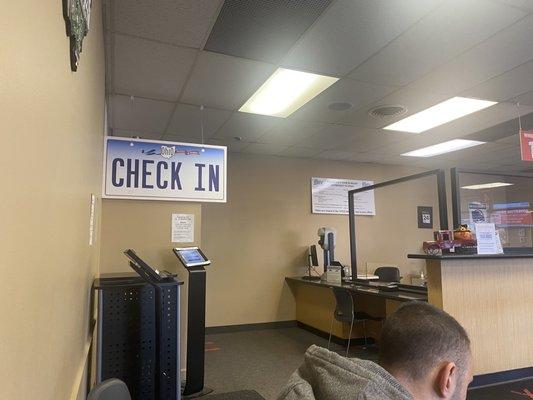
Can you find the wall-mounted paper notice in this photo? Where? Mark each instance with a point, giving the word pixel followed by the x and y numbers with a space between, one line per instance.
pixel 488 241
pixel 182 228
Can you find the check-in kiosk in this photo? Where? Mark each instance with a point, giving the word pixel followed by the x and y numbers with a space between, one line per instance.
pixel 194 261
pixel 139 330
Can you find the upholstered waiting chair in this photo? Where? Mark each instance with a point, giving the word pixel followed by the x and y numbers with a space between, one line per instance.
pixel 110 389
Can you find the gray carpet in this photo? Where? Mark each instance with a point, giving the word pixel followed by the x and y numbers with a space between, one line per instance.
pixel 260 360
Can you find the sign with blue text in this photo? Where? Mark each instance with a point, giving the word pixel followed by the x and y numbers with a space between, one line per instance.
pixel 158 170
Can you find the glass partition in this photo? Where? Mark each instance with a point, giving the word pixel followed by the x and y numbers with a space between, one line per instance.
pixel 505 200
pixel 397 228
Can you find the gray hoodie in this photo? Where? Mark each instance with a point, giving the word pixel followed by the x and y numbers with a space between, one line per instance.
pixel 325 375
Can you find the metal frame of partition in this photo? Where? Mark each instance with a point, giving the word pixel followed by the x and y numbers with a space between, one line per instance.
pixel 456 198
pixel 440 175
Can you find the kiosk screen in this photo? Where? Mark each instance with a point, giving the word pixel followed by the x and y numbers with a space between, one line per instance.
pixel 191 256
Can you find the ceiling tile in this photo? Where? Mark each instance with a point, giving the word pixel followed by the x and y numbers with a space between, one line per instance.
pixel 443 34
pixel 261 148
pixel 329 137
pixel 350 31
pixel 503 51
pixel 262 30
pixel 524 99
pixel 289 132
pixel 526 5
pixel 183 139
pixel 299 152
pixel 413 98
pixel 337 155
pixel 234 146
pixel 136 134
pixel 247 126
pixel 510 84
pixel 187 121
pixel 140 115
pixel 366 139
pixel 178 22
pixel 356 93
pixel 150 69
pixel 224 82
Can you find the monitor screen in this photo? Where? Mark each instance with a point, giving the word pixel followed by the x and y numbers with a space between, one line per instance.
pixel 314 258
pixel 191 256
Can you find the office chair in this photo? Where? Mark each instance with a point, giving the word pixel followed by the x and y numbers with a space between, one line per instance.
pixel 110 389
pixel 388 274
pixel 345 312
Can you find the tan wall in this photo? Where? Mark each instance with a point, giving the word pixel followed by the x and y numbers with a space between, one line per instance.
pixel 146 227
pixel 261 234
pixel 52 131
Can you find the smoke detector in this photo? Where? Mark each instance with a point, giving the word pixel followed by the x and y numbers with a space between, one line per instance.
pixel 387 111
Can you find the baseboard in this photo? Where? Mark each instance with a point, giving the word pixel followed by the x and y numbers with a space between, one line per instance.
pixel 501 377
pixel 336 339
pixel 250 327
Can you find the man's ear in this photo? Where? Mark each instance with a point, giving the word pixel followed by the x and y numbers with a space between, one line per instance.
pixel 446 380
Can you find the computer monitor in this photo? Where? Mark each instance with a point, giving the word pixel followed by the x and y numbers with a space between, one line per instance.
pixel 313 258
pixel 191 257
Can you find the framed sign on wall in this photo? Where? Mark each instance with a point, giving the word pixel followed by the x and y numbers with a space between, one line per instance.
pixel 159 170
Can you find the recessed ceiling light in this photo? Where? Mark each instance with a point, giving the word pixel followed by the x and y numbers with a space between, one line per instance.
pixel 439 114
pixel 487 185
pixel 441 148
pixel 286 91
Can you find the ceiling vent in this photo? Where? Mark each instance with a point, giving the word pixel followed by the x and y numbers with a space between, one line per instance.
pixel 386 111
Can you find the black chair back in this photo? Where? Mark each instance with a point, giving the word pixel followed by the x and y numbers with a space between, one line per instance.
pixel 388 274
pixel 344 309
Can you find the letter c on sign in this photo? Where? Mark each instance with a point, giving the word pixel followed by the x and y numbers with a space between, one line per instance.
pixel 114 181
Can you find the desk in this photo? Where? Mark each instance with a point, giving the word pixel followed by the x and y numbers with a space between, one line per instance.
pixel 315 304
pixel 492 297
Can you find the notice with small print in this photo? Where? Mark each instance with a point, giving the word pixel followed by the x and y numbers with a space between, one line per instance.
pixel 182 228
pixel 488 242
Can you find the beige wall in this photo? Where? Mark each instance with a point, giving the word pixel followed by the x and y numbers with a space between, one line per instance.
pixel 261 234
pixel 52 130
pixel 145 226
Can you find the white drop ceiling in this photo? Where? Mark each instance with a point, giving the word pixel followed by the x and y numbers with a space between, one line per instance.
pixel 413 53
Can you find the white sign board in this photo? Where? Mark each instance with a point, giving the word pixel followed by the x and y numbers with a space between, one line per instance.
pixel 157 170
pixel 330 196
pixel 182 228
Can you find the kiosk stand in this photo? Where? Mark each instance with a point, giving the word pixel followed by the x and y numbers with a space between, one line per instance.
pixel 138 331
pixel 194 261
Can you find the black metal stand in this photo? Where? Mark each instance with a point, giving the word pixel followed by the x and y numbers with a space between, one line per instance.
pixel 138 335
pixel 194 383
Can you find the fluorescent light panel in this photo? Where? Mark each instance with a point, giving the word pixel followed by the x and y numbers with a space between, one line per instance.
pixel 439 114
pixel 442 148
pixel 286 91
pixel 487 185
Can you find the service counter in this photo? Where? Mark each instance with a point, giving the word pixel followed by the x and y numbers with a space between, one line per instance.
pixel 492 297
pixel 315 304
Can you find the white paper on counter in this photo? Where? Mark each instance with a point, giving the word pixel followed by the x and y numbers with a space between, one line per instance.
pixel 487 240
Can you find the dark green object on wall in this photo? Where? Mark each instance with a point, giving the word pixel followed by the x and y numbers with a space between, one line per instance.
pixel 77 14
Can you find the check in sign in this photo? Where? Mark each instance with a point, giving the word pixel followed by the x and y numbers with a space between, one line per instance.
pixel 526 145
pixel 158 170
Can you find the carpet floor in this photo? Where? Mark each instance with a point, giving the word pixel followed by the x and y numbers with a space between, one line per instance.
pixel 263 360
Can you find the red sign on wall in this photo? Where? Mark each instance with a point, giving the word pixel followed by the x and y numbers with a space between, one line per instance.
pixel 526 145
